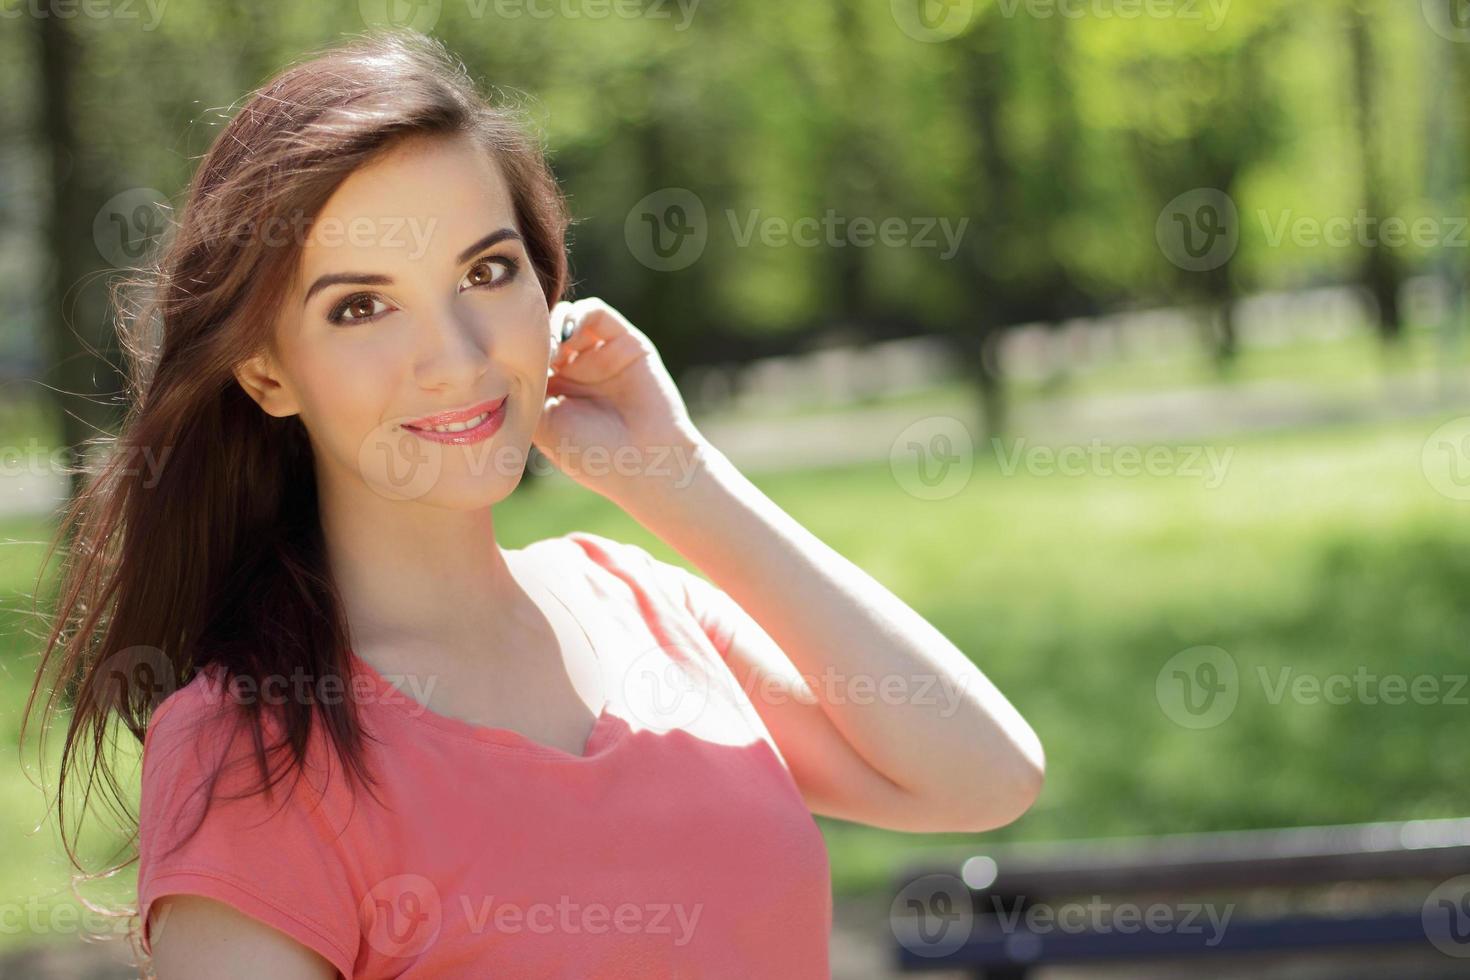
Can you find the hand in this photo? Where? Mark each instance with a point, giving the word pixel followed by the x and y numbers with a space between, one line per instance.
pixel 614 420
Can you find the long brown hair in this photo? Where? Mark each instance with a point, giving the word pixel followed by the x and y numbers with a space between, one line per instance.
pixel 212 553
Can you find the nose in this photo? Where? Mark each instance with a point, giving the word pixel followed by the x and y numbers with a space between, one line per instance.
pixel 452 351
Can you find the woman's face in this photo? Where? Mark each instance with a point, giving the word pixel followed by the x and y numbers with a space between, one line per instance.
pixel 415 296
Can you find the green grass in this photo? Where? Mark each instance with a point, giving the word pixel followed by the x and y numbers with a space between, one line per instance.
pixel 1325 552
pixel 35 876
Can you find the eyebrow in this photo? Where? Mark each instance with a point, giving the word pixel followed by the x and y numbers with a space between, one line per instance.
pixel 378 279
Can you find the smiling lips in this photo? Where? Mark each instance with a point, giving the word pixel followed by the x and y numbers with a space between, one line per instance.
pixel 463 426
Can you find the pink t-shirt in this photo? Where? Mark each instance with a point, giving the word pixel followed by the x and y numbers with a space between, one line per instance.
pixel 676 846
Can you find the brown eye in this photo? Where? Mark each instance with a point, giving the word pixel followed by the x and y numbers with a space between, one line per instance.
pixel 357 308
pixel 483 272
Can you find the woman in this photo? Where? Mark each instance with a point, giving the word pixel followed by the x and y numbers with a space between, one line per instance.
pixel 377 744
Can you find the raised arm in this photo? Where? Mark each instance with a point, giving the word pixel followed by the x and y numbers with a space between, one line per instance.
pixel 881 718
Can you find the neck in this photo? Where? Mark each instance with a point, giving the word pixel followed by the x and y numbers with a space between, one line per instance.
pixel 414 573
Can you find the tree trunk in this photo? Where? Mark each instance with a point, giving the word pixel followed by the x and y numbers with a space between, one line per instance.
pixel 1380 272
pixel 979 351
pixel 80 338
pixel 1227 342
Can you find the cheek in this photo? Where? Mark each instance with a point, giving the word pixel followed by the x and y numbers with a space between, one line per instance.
pixel 345 389
pixel 523 333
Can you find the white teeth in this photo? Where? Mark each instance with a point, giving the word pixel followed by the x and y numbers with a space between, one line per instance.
pixel 461 426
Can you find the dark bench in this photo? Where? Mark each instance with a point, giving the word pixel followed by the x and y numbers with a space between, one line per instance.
pixel 1010 908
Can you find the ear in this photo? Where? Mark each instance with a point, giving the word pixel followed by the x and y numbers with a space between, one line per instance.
pixel 261 380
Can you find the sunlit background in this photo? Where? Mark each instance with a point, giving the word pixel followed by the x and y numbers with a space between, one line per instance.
pixel 1123 340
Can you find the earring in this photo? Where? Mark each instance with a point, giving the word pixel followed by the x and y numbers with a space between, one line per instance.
pixel 568 324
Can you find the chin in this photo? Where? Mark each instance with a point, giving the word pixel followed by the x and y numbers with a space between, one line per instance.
pixel 468 500
pixel 471 491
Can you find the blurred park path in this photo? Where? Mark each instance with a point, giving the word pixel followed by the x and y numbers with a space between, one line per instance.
pixel 1204 413
pixel 860 435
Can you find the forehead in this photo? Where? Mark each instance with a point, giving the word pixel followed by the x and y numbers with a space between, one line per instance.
pixel 420 201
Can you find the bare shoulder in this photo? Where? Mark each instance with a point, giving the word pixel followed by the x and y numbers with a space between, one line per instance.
pixel 203 939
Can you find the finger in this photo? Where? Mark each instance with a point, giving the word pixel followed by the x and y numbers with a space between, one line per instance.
pixel 561 385
pixel 581 339
pixel 571 352
pixel 605 361
pixel 597 318
pixel 598 326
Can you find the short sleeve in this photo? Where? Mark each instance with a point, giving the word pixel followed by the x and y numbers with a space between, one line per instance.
pixel 717 614
pixel 274 860
pixel 758 664
pixel 714 610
